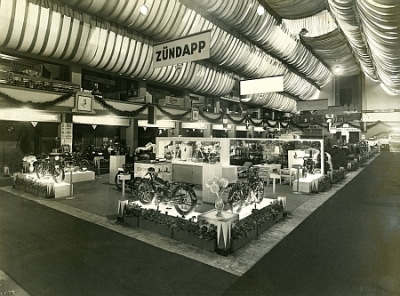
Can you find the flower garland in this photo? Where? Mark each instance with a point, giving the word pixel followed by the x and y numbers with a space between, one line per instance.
pixel 35 105
pixel 272 124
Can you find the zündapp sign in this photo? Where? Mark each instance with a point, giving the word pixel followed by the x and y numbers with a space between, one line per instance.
pixel 186 49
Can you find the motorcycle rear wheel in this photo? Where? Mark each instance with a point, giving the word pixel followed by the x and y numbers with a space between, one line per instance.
pixel 236 200
pixel 118 183
pixel 259 191
pixel 145 192
pixel 185 198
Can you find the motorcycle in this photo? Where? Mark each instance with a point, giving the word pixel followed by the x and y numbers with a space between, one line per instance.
pixel 157 190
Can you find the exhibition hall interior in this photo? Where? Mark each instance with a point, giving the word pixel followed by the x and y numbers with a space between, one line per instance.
pixel 208 132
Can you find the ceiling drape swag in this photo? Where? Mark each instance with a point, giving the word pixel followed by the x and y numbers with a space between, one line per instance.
pixel 372 29
pixel 181 21
pixel 97 45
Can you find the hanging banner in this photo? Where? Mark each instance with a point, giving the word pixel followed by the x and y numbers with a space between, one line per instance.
pixel 186 49
pixel 262 85
pixel 312 105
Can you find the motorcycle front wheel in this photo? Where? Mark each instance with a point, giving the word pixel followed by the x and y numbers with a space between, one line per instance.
pixel 58 174
pixel 39 171
pixel 185 199
pixel 145 192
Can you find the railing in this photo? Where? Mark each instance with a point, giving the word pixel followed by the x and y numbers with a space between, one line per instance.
pixel 38 83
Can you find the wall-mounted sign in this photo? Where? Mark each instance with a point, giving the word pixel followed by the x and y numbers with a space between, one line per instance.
pixel 28 115
pixel 101 120
pixel 159 124
pixel 312 105
pixel 17 63
pixel 99 80
pixel 186 49
pixel 262 85
pixel 195 125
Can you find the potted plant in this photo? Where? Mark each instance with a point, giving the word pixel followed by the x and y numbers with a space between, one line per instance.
pixel 132 214
pixel 277 210
pixel 264 219
pixel 155 221
pixel 242 232
pixel 200 234
pixel 12 160
pixel 19 181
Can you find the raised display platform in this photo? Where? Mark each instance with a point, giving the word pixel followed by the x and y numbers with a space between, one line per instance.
pixel 79 176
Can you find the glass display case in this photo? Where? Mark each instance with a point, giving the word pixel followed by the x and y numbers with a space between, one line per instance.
pixel 269 151
pixel 197 150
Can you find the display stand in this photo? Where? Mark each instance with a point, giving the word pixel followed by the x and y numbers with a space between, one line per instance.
pixel 79 176
pixel 306 185
pixel 223 224
pixel 197 173
pixel 97 163
pixel 297 167
pixel 116 161
pixel 123 178
pixel 274 176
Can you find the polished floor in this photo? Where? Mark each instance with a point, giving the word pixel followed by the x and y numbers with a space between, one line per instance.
pixel 250 271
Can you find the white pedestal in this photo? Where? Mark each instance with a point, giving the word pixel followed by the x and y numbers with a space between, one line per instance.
pixel 304 185
pixel 116 161
pixel 62 189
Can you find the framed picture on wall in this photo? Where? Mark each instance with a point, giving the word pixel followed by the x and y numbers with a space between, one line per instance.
pixel 83 103
pixel 195 115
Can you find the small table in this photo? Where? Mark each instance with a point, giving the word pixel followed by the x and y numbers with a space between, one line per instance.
pixel 274 177
pixel 123 178
pixel 223 224
pixel 298 167
pixel 96 161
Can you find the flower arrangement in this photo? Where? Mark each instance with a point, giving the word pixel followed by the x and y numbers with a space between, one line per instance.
pixel 30 159
pixel 217 185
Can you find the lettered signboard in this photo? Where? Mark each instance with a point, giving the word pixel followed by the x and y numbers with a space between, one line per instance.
pixel 186 49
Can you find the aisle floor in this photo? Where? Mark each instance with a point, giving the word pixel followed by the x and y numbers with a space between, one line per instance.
pixel 97 202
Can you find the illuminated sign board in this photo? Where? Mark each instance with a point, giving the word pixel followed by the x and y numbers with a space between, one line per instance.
pixel 262 85
pixel 29 115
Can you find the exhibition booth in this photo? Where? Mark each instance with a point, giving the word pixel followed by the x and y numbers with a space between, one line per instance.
pixel 208 162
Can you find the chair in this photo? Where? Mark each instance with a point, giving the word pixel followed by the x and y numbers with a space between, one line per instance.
pixel 243 171
pixel 288 174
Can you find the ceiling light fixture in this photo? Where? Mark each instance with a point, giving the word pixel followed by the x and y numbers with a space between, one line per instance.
pixel 260 10
pixel 144 9
pixel 337 70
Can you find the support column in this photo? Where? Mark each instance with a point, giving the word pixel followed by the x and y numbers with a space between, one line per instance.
pixel 142 91
pixel 76 74
pixel 132 136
